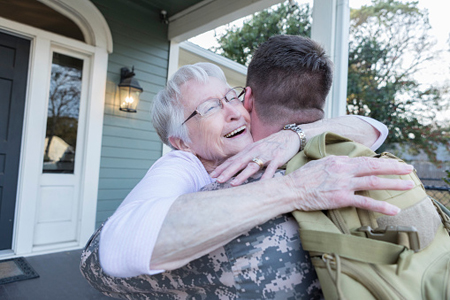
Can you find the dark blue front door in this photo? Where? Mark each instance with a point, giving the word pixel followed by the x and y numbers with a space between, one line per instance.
pixel 14 56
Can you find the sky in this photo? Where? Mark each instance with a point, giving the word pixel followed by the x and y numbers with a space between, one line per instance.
pixel 439 70
pixel 436 72
pixel 438 14
pixel 439 20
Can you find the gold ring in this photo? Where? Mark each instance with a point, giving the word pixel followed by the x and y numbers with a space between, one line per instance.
pixel 259 162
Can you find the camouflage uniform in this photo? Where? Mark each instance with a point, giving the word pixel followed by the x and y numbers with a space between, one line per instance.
pixel 267 262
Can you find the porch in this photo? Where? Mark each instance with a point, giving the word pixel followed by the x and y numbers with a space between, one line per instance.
pixel 59 279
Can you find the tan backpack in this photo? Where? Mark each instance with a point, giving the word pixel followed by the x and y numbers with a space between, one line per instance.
pixel 359 254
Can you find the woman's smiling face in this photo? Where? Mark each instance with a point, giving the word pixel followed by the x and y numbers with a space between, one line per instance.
pixel 220 135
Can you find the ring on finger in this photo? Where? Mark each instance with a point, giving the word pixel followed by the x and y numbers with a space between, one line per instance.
pixel 259 162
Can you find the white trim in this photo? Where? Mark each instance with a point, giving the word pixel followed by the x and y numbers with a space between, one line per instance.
pixel 91 22
pixel 190 53
pixel 28 32
pixel 174 54
pixel 330 27
pixel 213 57
pixel 190 9
pixel 75 180
pixel 322 31
pixel 341 58
pixel 208 15
pixel 30 170
pixel 31 159
pixel 93 143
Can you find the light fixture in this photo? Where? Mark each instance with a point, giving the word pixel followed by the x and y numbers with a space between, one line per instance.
pixel 129 90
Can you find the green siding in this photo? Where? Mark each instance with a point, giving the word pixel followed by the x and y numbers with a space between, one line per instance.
pixel 130 144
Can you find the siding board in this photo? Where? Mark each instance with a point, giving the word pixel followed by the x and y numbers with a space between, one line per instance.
pixel 110 205
pixel 144 109
pixel 116 183
pixel 141 47
pixel 126 163
pixel 130 144
pixel 118 142
pixel 114 152
pixel 150 87
pixel 129 122
pixel 112 195
pixel 130 133
pixel 121 173
pixel 143 27
pixel 102 216
pixel 144 70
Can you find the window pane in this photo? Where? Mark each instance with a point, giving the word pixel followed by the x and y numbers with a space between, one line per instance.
pixel 63 111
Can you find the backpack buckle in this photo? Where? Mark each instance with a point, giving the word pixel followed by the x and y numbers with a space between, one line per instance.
pixel 402 235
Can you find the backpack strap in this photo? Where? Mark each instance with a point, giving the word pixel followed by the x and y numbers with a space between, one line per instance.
pixel 353 247
pixel 444 212
pixel 319 234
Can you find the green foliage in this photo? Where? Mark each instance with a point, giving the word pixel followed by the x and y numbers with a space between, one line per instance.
pixel 238 44
pixel 447 180
pixel 389 41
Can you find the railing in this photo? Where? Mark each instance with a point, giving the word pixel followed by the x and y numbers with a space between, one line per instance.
pixel 440 193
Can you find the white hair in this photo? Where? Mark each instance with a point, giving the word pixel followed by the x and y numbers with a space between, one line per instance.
pixel 167 112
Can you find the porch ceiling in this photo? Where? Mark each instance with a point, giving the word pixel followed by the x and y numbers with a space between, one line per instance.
pixel 172 7
pixel 188 18
pixel 32 13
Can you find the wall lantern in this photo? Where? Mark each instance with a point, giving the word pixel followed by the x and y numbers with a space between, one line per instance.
pixel 129 90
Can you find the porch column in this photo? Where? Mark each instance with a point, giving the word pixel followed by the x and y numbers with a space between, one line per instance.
pixel 330 27
pixel 174 57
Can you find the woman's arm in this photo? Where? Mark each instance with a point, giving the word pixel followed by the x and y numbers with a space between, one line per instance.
pixel 198 223
pixel 128 237
pixel 278 148
pixel 149 235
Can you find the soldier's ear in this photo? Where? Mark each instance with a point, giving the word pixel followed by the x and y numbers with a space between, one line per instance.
pixel 248 99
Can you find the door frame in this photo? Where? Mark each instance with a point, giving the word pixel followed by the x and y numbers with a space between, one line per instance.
pixel 63 180
pixel 33 135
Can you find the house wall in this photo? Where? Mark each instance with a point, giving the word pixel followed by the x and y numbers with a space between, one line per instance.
pixel 235 73
pixel 130 144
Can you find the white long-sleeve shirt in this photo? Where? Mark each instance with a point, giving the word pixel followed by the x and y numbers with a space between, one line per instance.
pixel 131 231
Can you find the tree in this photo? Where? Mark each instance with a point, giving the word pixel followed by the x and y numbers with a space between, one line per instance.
pixel 389 42
pixel 63 107
pixel 238 44
pixel 447 180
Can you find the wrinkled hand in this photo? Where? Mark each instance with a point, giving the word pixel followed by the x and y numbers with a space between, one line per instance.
pixel 331 182
pixel 274 150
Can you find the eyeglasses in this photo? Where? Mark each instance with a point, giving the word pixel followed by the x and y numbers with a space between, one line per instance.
pixel 234 96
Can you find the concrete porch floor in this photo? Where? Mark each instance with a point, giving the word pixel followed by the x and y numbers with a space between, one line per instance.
pixel 60 279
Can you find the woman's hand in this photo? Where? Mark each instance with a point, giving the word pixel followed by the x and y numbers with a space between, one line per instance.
pixel 274 151
pixel 332 182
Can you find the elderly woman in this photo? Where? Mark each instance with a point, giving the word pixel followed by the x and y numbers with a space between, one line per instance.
pixel 164 222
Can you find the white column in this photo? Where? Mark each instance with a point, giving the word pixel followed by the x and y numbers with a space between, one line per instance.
pixel 330 27
pixel 174 55
pixel 339 93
